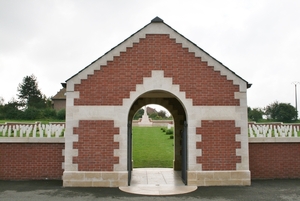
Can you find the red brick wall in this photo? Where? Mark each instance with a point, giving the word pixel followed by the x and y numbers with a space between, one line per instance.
pixel 24 161
pixel 112 83
pixel 218 145
pixel 32 161
pixel 274 160
pixel 96 145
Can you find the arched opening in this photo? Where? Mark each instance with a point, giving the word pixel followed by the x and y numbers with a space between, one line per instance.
pixel 152 138
pixel 175 107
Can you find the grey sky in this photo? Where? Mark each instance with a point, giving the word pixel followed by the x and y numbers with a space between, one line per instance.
pixel 53 39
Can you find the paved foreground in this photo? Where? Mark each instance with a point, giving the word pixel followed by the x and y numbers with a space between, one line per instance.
pixel 53 190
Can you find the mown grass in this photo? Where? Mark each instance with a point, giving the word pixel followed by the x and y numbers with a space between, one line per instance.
pixel 151 147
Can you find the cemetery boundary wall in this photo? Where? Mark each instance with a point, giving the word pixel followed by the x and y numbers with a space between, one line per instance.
pixel 274 158
pixel 31 158
pixel 37 159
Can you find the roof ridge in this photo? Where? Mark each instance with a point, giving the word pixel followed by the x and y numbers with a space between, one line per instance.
pixel 157 20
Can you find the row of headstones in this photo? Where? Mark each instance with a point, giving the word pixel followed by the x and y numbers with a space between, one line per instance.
pixel 40 130
pixel 273 131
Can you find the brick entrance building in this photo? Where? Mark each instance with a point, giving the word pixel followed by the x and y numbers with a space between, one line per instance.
pixel 156 65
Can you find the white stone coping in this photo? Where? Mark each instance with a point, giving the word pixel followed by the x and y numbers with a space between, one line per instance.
pixel 273 139
pixel 62 140
pixel 31 140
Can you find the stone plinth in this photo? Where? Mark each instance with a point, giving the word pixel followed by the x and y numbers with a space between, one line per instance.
pixel 145 119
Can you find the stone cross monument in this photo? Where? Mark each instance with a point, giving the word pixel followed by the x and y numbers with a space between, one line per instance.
pixel 145 119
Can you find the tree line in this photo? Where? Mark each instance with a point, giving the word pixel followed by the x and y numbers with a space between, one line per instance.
pixel 282 112
pixel 154 115
pixel 31 103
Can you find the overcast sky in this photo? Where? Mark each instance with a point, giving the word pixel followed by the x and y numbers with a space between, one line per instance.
pixel 54 39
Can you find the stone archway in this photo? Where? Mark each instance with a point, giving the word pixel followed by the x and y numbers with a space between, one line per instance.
pixel 171 103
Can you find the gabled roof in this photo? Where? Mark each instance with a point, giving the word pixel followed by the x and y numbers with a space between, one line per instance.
pixel 60 95
pixel 162 29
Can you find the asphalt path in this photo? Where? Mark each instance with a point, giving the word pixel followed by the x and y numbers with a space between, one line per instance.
pixel 273 190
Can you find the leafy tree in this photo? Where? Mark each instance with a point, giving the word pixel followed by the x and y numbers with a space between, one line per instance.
pixel 31 113
pixel 255 114
pixel 154 116
pixel 284 112
pixel 1 108
pixel 162 114
pixel 29 93
pixel 1 101
pixel 271 110
pixel 10 110
pixel 48 113
pixel 48 102
pixel 138 114
pixel 61 114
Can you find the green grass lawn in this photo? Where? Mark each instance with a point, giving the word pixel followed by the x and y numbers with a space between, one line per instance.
pixel 151 147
